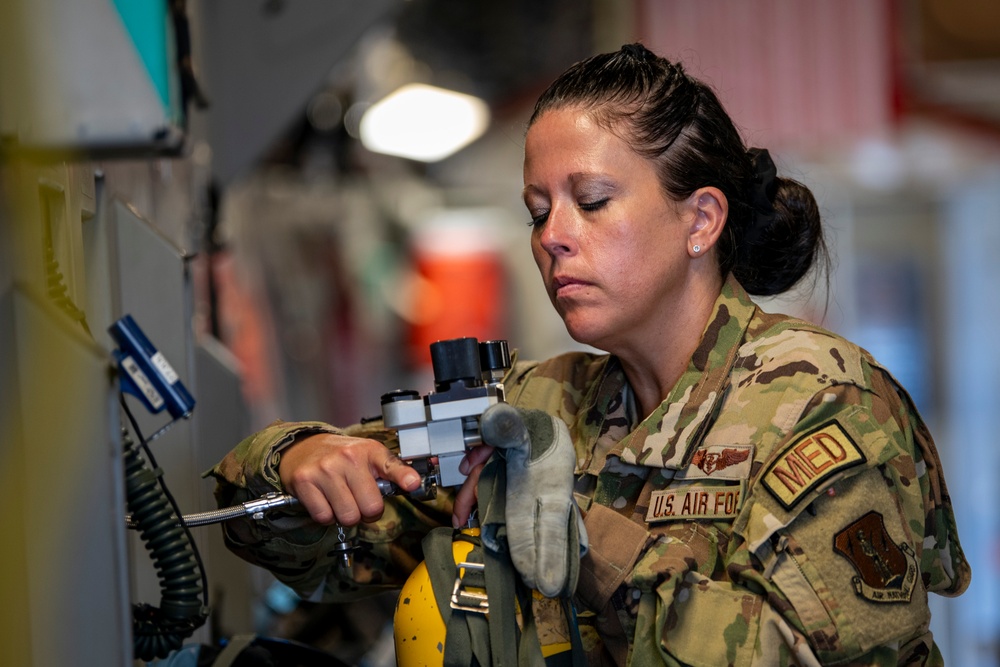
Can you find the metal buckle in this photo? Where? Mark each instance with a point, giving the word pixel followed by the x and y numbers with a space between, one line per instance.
pixel 464 598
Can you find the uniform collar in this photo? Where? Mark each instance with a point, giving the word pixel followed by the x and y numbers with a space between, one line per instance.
pixel 667 437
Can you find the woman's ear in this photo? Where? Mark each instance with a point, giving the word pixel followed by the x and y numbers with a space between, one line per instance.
pixel 711 209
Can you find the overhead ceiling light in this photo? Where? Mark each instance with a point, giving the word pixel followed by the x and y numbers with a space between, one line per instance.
pixel 425 123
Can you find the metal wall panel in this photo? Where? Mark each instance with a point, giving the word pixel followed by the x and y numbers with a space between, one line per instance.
pixel 155 286
pixel 70 484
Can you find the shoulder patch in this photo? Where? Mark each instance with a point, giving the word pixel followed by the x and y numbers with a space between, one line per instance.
pixel 887 572
pixel 809 461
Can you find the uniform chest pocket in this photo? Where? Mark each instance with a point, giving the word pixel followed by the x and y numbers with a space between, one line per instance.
pixel 679 548
pixel 690 521
pixel 679 606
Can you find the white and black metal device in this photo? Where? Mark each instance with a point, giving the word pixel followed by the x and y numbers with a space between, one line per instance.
pixel 441 426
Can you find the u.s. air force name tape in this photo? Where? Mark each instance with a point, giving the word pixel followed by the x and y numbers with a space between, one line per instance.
pixel 809 461
pixel 696 501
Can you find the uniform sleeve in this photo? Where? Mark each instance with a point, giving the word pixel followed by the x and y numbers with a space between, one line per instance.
pixel 845 527
pixel 308 556
pixel 251 469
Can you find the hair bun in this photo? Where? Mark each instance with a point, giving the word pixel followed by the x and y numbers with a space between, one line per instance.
pixel 787 242
pixel 761 192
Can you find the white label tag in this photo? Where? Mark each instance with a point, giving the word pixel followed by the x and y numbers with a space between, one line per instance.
pixel 142 382
pixel 165 368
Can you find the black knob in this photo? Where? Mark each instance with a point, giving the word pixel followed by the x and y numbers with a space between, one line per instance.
pixel 456 359
pixel 494 355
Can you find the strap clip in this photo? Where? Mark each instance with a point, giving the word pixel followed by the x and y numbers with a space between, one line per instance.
pixel 467 597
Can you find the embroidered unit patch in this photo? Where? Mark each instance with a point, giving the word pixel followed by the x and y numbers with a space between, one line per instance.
pixel 887 571
pixel 695 501
pixel 809 461
pixel 720 462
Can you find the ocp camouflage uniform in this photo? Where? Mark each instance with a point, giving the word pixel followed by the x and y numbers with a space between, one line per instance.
pixel 785 505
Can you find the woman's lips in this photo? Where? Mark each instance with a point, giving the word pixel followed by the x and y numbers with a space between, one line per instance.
pixel 567 285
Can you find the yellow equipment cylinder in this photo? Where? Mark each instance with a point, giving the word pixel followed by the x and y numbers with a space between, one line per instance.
pixel 419 631
pixel 418 628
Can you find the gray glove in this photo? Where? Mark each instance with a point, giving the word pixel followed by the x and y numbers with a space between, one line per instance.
pixel 545 532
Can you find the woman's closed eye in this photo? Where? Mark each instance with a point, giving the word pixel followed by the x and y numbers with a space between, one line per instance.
pixel 594 205
pixel 538 218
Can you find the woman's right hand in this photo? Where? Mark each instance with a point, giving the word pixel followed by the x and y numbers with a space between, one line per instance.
pixel 334 477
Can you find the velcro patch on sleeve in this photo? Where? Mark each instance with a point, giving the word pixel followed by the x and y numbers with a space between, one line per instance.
pixel 809 461
pixel 887 572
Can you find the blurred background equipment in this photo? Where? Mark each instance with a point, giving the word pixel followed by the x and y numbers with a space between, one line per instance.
pixel 94 75
pixel 205 165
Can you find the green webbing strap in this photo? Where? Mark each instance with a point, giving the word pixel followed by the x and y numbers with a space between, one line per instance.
pixel 528 652
pixel 473 638
pixel 477 625
pixel 492 494
pixel 576 642
pixel 460 649
pixel 502 583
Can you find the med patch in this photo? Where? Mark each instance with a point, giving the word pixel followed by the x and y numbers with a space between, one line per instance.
pixel 809 461
pixel 887 572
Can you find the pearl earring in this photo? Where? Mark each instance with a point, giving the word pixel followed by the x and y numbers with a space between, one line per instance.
pixel 696 249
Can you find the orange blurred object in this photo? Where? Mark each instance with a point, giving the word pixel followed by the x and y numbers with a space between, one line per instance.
pixel 458 295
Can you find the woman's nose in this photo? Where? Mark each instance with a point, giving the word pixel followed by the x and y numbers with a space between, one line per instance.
pixel 558 234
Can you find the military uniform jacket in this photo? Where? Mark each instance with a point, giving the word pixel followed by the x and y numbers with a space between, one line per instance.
pixel 785 505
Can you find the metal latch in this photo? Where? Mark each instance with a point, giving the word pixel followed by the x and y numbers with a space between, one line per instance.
pixel 469 598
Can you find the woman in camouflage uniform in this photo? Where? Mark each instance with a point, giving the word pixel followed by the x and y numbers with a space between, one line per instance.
pixel 756 490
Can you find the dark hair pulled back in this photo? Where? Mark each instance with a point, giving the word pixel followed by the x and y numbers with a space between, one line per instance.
pixel 773 233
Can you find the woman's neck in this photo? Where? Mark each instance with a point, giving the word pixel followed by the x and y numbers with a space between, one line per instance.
pixel 654 367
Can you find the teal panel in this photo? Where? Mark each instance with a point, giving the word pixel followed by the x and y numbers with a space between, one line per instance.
pixel 146 23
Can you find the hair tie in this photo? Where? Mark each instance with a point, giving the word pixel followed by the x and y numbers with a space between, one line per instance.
pixel 762 190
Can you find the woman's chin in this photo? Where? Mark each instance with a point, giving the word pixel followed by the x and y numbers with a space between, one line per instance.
pixel 586 333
